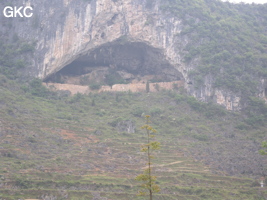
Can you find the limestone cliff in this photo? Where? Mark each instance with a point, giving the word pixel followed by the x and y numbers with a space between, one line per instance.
pixel 66 31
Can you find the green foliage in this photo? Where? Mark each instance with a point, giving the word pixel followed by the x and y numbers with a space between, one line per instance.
pixel 117 97
pixel 11 56
pixel 201 137
pixel 95 86
pixel 26 47
pixel 264 150
pixel 228 40
pixel 179 98
pixel 242 126
pixel 24 184
pixel 76 98
pixel 93 102
pixel 114 78
pixel 208 109
pixel 155 111
pixel 256 111
pixel 156 86
pixel 137 111
pixel 36 88
pixel 149 181
pixel 114 122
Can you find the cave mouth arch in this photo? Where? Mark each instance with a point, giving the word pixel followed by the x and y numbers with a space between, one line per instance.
pixel 118 62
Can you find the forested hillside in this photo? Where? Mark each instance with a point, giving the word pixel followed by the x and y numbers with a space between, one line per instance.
pixel 226 41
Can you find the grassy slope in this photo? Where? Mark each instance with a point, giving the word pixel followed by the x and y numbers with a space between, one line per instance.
pixel 66 148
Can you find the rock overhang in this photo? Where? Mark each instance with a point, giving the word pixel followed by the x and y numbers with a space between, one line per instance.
pixel 79 27
pixel 102 23
pixel 131 59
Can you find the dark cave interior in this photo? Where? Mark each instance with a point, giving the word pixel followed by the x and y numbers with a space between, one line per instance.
pixel 122 61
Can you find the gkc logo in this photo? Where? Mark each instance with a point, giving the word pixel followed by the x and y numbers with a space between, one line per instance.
pixel 18 11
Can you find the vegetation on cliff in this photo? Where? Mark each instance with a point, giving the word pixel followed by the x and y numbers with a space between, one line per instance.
pixel 12 56
pixel 228 41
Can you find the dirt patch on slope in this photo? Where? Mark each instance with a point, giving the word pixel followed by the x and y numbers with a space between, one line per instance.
pixel 69 135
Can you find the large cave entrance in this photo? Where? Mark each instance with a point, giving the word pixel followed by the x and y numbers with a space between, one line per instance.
pixel 117 63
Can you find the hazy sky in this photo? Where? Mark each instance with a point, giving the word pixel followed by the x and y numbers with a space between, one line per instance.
pixel 247 1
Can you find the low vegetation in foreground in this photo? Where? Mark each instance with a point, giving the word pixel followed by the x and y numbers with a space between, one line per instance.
pixel 88 146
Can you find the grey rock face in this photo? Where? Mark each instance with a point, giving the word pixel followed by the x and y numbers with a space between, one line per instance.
pixel 126 126
pixel 99 31
pixel 67 29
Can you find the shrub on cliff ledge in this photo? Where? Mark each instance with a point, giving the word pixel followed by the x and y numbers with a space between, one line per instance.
pixel 95 86
pixel 36 88
pixel 114 78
